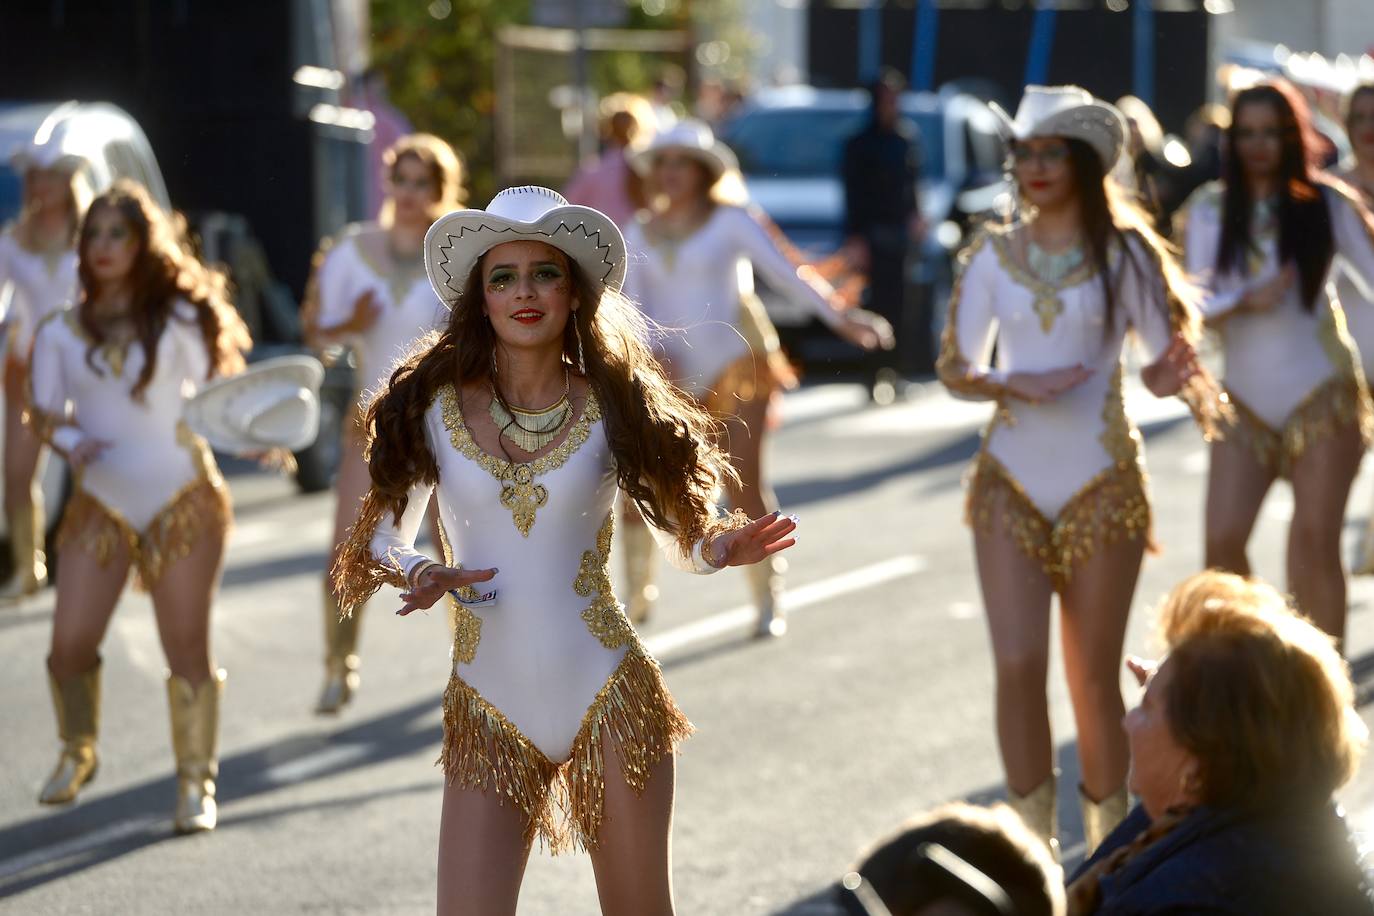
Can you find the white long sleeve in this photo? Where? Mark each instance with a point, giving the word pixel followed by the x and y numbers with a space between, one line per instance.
pixel 1354 241
pixel 49 391
pixel 756 244
pixel 393 544
pixel 964 366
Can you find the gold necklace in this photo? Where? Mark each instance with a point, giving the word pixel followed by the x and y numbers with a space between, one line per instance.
pixel 531 430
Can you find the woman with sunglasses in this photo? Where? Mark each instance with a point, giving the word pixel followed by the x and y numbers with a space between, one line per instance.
pixel 1057 496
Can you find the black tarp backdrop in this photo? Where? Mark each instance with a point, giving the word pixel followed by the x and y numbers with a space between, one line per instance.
pixel 1092 48
pixel 211 85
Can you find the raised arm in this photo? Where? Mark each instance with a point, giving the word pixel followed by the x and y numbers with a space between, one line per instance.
pixel 971 327
pixel 1219 294
pixel 802 285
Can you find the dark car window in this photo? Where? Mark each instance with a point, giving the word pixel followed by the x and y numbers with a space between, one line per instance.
pixel 11 194
pixel 809 142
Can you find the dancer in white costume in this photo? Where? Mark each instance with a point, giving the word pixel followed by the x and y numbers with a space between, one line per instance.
pixel 370 291
pixel 1358 173
pixel 691 273
pixel 557 723
pixel 1265 243
pixel 109 379
pixel 38 276
pixel 1057 495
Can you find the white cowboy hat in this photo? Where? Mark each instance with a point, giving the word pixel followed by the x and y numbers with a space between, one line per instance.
pixel 274 403
pixel 693 138
pixel 457 240
pixel 1068 111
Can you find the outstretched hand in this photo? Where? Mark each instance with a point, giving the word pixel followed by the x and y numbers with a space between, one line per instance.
pixel 756 541
pixel 436 581
pixel 1043 387
pixel 1166 376
pixel 86 451
pixel 866 330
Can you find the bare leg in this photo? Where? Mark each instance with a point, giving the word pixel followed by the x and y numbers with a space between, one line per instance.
pixel 482 854
pixel 633 858
pixel 1017 595
pixel 87 593
pixel 746 432
pixel 1236 485
pixel 182 599
pixel 1321 486
pixel 23 456
pixel 1096 604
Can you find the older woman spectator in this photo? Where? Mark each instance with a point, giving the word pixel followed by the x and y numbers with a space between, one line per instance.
pixel 1246 730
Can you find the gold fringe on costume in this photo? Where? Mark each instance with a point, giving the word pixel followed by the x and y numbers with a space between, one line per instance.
pixel 356 575
pixel 200 506
pixel 1109 507
pixel 564 802
pixel 1336 404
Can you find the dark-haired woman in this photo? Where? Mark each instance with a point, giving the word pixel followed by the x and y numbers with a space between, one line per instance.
pixel 1357 304
pixel 370 292
pixel 1263 242
pixel 109 378
pixel 1057 495
pixel 537 405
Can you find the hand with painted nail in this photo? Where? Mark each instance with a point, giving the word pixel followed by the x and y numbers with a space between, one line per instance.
pixel 435 581
pixel 756 541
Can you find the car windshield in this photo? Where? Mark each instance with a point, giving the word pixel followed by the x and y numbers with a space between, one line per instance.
pixel 10 194
pixel 809 142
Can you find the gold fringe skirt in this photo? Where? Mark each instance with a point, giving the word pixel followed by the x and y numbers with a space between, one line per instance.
pixel 1332 406
pixel 564 802
pixel 1111 506
pixel 201 506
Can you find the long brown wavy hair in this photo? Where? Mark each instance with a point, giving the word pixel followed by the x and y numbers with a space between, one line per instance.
pixel 664 445
pixel 164 270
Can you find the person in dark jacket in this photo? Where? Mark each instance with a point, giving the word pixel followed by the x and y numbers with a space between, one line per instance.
pixel 881 167
pixel 1246 730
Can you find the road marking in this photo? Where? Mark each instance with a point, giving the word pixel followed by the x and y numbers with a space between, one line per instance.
pixel 315 762
pixel 92 839
pixel 793 600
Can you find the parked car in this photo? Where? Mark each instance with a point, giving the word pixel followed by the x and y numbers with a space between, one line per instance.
pixel 790 142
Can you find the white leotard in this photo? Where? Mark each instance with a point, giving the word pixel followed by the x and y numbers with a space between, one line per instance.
pixel 1275 359
pixel 1357 303
pixel 556 634
pixel 39 285
pixel 1055 449
pixel 692 289
pixel 356 264
pixel 152 456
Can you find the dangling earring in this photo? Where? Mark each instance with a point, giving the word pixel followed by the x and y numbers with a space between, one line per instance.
pixel 577 336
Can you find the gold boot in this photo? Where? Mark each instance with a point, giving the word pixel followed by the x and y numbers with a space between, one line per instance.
pixel 76 701
pixel 1038 809
pixel 195 736
pixel 765 581
pixel 26 547
pixel 341 678
pixel 1101 818
pixel 641 567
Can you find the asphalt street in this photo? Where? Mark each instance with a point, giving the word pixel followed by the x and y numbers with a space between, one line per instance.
pixel 876 706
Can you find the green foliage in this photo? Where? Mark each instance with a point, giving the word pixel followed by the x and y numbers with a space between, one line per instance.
pixel 441 72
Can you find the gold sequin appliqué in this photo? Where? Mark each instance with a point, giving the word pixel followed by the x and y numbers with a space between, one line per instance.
pixel 952 366
pixel 1048 305
pixel 564 802
pixel 604 616
pixel 466 626
pixel 519 491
